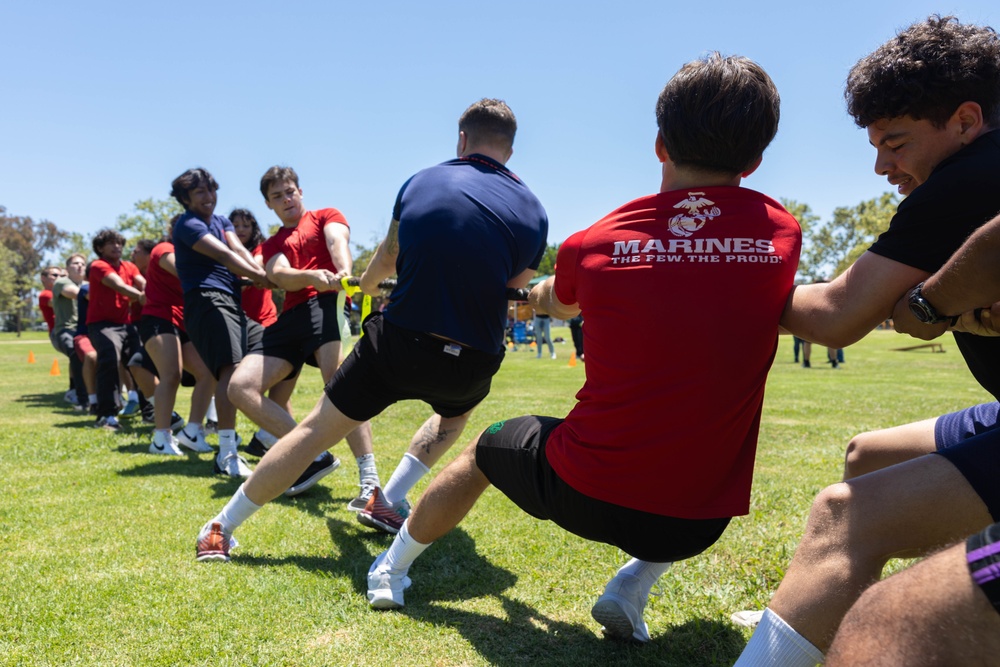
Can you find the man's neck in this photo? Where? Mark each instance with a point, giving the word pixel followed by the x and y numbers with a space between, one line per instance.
pixel 687 179
pixel 488 151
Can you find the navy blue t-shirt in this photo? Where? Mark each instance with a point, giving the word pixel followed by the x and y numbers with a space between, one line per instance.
pixel 82 304
pixel 196 270
pixel 466 227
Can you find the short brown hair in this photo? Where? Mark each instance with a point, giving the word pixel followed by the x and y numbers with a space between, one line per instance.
pixel 489 121
pixel 926 72
pixel 277 174
pixel 718 114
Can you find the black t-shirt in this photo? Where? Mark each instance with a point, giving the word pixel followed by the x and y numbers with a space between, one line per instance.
pixel 961 194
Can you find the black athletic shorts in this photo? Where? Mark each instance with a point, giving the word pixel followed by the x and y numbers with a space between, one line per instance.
pixel 982 551
pixel 978 459
pixel 301 331
pixel 150 326
pixel 390 364
pixel 217 327
pixel 512 456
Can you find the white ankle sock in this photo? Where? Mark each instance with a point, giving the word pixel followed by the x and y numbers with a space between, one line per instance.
pixel 227 442
pixel 409 471
pixel 237 510
pixel 367 471
pixel 267 438
pixel 774 642
pixel 403 551
pixel 161 436
pixel 133 396
pixel 647 572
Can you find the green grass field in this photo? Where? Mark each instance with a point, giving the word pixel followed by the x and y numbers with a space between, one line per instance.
pixel 97 535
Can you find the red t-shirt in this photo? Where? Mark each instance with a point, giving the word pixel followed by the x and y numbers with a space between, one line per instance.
pixel 681 293
pixel 257 303
pixel 107 305
pixel 45 305
pixel 304 246
pixel 164 298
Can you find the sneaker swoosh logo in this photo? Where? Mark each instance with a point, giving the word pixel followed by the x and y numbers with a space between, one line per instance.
pixel 159 448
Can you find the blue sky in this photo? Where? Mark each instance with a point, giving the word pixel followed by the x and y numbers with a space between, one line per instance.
pixel 106 102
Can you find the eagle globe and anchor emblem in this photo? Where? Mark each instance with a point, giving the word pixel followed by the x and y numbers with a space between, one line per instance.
pixel 686 224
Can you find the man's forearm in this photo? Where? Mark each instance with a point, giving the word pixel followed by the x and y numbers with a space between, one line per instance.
pixel 971 278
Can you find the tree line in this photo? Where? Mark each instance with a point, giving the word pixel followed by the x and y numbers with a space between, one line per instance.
pixel 828 246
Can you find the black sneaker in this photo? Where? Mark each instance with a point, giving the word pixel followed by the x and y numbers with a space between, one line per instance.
pixel 256 447
pixel 211 427
pixel 176 422
pixel 148 414
pixel 316 471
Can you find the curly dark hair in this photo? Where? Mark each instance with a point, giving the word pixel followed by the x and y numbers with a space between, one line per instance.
pixel 926 72
pixel 257 236
pixel 103 237
pixel 718 114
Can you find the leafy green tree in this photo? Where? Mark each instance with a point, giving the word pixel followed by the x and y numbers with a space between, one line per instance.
pixel 829 248
pixel 28 242
pixel 548 264
pixel 149 220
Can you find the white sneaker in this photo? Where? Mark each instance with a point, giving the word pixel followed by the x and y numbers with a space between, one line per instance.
pixel 747 619
pixel 195 444
pixel 620 608
pixel 169 449
pixel 553 355
pixel 385 589
pixel 232 465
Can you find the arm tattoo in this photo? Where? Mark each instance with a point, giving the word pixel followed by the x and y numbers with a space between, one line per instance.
pixel 392 238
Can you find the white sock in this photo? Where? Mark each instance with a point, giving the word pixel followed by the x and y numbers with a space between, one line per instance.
pixel 212 415
pixel 367 472
pixel 227 442
pixel 237 510
pixel 774 642
pixel 162 436
pixel 92 399
pixel 267 438
pixel 409 471
pixel 647 572
pixel 403 551
pixel 133 396
pixel 192 430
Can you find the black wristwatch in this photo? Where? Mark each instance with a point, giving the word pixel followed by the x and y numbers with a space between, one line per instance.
pixel 922 308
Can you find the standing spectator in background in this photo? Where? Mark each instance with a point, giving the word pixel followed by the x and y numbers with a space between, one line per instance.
pixel 543 332
pixel 114 284
pixel 576 333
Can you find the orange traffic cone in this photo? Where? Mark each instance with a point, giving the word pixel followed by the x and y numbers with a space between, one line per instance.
pixel 55 368
pixel 572 359
pixel 31 357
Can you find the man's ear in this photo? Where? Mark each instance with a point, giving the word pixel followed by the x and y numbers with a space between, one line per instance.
pixel 753 167
pixel 661 150
pixel 969 119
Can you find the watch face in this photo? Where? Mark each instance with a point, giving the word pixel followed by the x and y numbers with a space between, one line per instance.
pixel 920 312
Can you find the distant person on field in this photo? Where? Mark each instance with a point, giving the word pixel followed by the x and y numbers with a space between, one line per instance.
pixel 657 456
pixel 543 333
